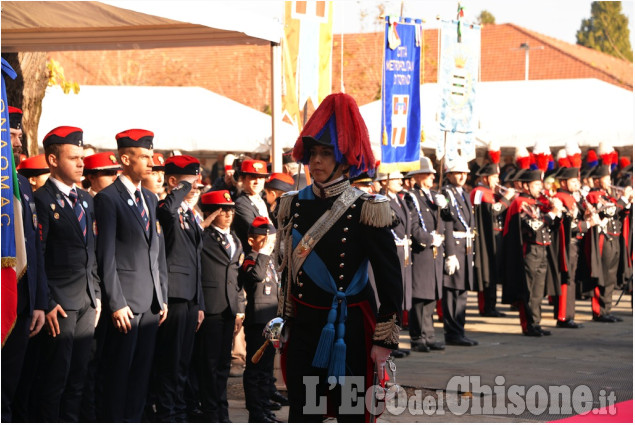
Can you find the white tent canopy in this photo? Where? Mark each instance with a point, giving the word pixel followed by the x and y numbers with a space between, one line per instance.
pixel 519 113
pixel 191 119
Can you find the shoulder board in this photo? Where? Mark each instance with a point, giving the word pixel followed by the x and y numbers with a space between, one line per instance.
pixel 376 211
pixel 284 209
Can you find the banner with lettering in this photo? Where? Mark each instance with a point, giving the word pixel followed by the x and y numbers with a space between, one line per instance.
pixel 401 109
pixel 459 64
pixel 13 255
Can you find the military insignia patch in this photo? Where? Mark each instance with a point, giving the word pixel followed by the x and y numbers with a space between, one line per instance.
pixel 95 227
pixel 257 166
pixel 61 202
pixel 227 197
pixel 161 160
pixel 130 202
pixel 241 259
pixel 34 221
pixel 85 204
pixel 52 207
pixel 56 216
pixel 158 228
pixel 112 159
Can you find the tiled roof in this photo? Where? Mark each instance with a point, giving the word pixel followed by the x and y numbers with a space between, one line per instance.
pixel 242 73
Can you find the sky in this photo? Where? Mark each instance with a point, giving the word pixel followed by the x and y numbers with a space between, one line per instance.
pixel 556 18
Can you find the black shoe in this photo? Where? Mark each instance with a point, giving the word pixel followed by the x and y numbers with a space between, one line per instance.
pixel 461 341
pixel 531 331
pixel 405 351
pixel 616 318
pixel 272 417
pixel 439 346
pixel 280 398
pixel 493 313
pixel 569 324
pixel 272 405
pixel 605 318
pixel 419 347
pixel 543 331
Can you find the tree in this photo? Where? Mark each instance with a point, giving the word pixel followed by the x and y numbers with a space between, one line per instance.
pixel 606 30
pixel 486 18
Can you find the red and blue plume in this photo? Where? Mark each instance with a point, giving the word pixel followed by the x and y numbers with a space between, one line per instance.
pixel 522 157
pixel 339 115
pixel 574 154
pixel 591 158
pixel 542 154
pixel 494 152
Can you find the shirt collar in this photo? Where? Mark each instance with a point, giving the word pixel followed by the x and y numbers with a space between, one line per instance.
pixel 218 229
pixel 65 189
pixel 129 184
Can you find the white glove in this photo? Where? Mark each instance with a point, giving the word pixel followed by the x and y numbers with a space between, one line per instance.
pixel 379 355
pixel 451 265
pixel 440 200
pixel 437 239
pixel 269 245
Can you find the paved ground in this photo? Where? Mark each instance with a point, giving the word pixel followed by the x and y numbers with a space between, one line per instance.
pixel 594 363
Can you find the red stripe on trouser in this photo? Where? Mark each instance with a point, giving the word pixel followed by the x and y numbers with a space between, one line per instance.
pixel 481 302
pixel 562 303
pixel 440 310
pixel 522 314
pixel 595 301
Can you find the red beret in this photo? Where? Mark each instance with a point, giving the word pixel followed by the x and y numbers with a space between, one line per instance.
pixel 135 138
pixel 101 161
pixel 183 164
pixel 159 162
pixel 280 181
pixel 211 200
pixel 15 117
pixel 254 166
pixel 33 166
pixel 261 226
pixel 64 135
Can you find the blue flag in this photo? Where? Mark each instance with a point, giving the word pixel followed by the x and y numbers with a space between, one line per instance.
pixel 401 104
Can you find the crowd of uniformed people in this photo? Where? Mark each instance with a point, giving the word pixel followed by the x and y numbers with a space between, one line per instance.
pixel 140 276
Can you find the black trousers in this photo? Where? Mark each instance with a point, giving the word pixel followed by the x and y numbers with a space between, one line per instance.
pixel 13 354
pixel 568 303
pixel 454 305
pixel 91 397
pixel 535 268
pixel 214 360
pixel 62 372
pixel 258 376
pixel 172 357
pixel 125 371
pixel 308 385
pixel 610 264
pixel 421 321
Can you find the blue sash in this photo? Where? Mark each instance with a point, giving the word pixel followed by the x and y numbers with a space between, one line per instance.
pixel 331 350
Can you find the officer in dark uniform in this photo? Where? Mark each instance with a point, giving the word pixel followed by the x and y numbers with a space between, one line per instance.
pixel 36 170
pixel 604 244
pixel 490 207
pixel 134 277
pixel 32 288
pixel 250 204
pixel 259 277
pixel 221 259
pixel 527 236
pixel 573 226
pixel 183 245
pixel 67 230
pixel 459 254
pixel 427 259
pixel 328 233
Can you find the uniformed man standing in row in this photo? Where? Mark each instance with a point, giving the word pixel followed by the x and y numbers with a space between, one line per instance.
pixel 67 231
pixel 427 259
pixel 32 288
pixel 490 208
pixel 183 245
pixel 134 275
pixel 459 254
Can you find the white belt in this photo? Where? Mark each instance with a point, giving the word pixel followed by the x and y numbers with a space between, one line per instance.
pixel 462 235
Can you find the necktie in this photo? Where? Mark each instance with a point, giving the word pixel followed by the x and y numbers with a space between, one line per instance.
pixel 79 211
pixel 142 211
pixel 226 245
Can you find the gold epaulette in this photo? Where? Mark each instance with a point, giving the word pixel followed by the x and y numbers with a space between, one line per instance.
pixel 284 210
pixel 376 211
